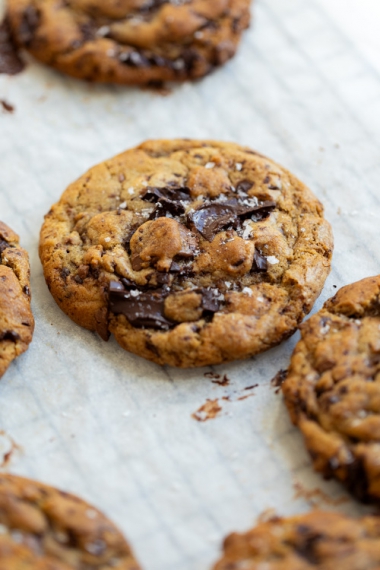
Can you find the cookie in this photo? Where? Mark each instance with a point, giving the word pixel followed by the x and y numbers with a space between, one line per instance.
pixel 42 528
pixel 333 388
pixel 130 41
pixel 190 252
pixel 320 539
pixel 16 319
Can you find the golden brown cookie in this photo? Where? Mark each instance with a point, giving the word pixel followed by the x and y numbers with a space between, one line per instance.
pixel 318 540
pixel 333 388
pixel 191 253
pixel 42 528
pixel 16 319
pixel 130 41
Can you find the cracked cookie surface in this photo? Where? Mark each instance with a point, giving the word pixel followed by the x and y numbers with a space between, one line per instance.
pixel 333 388
pixel 130 41
pixel 16 319
pixel 190 252
pixel 42 528
pixel 320 539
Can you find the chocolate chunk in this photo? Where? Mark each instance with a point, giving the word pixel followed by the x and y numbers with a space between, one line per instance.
pixel 244 185
pixel 210 303
pixel 169 193
pixel 65 272
pixel 168 199
pixel 134 59
pixel 308 546
pixel 3 245
pixel 250 208
pixel 260 263
pixel 143 310
pixel 10 62
pixel 211 219
pixel 9 335
pixel 29 23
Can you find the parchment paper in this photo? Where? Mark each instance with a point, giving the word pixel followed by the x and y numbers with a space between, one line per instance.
pixel 115 429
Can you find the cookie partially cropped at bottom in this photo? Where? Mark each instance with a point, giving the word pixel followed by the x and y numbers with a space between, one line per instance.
pixel 333 388
pixel 130 41
pixel 190 252
pixel 16 319
pixel 322 540
pixel 42 528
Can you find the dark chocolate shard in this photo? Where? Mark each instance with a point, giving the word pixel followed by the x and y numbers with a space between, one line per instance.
pixel 9 335
pixel 211 219
pixel 134 59
pixel 3 245
pixel 142 309
pixel 210 303
pixel 244 185
pixel 251 208
pixel 29 23
pixel 10 62
pixel 168 199
pixel 260 263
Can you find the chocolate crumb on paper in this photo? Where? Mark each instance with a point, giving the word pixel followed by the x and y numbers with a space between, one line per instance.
pixel 7 450
pixel 278 380
pixel 7 107
pixel 225 381
pixel 207 411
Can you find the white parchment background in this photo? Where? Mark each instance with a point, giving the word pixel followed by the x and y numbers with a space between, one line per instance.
pixel 92 419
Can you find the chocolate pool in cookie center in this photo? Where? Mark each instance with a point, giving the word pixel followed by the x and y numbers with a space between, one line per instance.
pixel 189 252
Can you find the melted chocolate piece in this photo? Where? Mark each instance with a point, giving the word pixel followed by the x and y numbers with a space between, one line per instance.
pixel 167 199
pixel 212 218
pixel 308 546
pixel 10 62
pixel 143 310
pixel 260 263
pixel 209 302
pixel 9 335
pixel 3 245
pixel 134 59
pixel 250 208
pixel 29 23
pixel 244 185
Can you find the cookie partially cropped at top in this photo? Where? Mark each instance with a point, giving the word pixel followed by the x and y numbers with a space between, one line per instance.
pixel 333 388
pixel 43 528
pixel 190 252
pixel 321 539
pixel 16 319
pixel 130 41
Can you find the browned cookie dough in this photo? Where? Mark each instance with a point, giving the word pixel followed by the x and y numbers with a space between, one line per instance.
pixel 16 319
pixel 130 41
pixel 42 528
pixel 203 252
pixel 320 539
pixel 333 388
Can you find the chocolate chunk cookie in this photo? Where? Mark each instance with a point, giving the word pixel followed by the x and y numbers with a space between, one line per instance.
pixel 16 319
pixel 191 253
pixel 42 528
pixel 130 41
pixel 333 388
pixel 320 539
